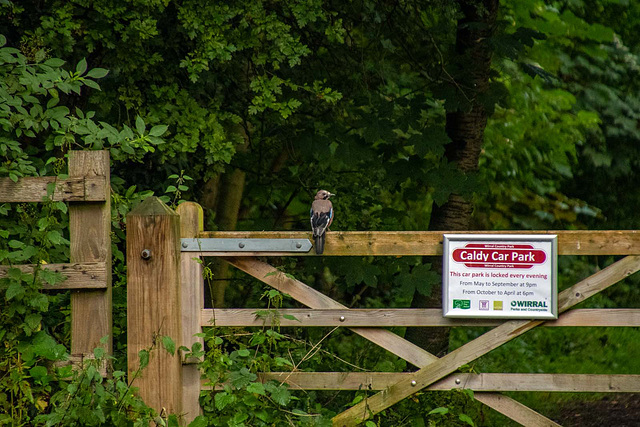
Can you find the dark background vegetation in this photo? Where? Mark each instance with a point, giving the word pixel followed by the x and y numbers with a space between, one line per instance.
pixel 420 115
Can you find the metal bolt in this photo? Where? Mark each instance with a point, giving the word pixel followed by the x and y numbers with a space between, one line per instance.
pixel 298 245
pixel 241 245
pixel 145 254
pixel 185 245
pixel 458 381
pixel 342 318
pixel 413 383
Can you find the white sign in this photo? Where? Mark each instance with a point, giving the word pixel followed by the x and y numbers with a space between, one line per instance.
pixel 500 276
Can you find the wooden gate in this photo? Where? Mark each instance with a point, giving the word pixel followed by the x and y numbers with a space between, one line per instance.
pixel 165 295
pixel 88 274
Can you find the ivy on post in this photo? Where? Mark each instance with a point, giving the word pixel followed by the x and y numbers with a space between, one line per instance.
pixel 153 304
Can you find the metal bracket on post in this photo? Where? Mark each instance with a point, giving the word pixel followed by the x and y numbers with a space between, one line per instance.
pixel 245 245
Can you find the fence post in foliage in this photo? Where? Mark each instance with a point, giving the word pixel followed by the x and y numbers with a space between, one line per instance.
pixel 90 235
pixel 191 223
pixel 153 304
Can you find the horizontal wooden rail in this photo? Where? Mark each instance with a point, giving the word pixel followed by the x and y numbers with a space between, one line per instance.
pixel 407 243
pixel 80 361
pixel 488 382
pixel 80 275
pixel 34 189
pixel 401 317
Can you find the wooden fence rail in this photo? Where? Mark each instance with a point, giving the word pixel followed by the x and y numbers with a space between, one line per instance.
pixel 403 317
pixel 88 274
pixel 432 373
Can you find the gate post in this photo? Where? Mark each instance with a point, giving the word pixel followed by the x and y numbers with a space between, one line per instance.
pixel 153 302
pixel 192 293
pixel 90 235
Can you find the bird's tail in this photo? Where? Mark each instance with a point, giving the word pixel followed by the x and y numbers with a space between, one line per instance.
pixel 319 243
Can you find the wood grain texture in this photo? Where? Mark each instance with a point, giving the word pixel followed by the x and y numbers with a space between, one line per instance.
pixel 73 189
pixel 90 235
pixel 482 345
pixel 314 299
pixel 419 317
pixel 191 303
pixel 406 243
pixel 486 382
pixel 83 275
pixel 153 302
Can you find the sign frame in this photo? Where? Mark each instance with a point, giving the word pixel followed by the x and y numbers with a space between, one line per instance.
pixel 480 242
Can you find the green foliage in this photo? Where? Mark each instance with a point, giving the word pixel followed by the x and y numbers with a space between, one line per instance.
pixel 231 364
pixel 36 129
pixel 302 95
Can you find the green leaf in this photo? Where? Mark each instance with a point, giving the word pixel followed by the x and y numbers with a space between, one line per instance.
pixel 54 62
pixel 97 73
pixel 242 378
pixel 14 290
pixel 439 411
pixel 281 395
pixel 98 352
pixel 92 84
pixel 281 361
pixel 55 237
pixel 33 320
pixel 199 421
pixel 173 421
pixel 81 67
pixel 143 355
pixel 244 353
pixel 38 372
pixel 169 344
pixel 466 419
pixel 15 274
pixel 140 126
pixel 40 302
pixel 158 130
pixel 223 399
pixel 257 388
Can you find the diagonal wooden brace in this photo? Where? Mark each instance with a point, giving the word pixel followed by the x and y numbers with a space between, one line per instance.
pixel 314 299
pixel 382 337
pixel 483 344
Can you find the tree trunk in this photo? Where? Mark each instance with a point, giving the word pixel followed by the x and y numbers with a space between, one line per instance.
pixel 232 188
pixel 466 130
pixel 223 194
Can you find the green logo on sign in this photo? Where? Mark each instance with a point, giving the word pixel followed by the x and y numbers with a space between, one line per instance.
pixel 464 304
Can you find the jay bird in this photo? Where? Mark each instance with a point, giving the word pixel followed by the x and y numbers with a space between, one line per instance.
pixel 321 218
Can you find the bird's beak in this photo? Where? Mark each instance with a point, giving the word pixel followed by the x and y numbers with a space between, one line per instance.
pixel 332 194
